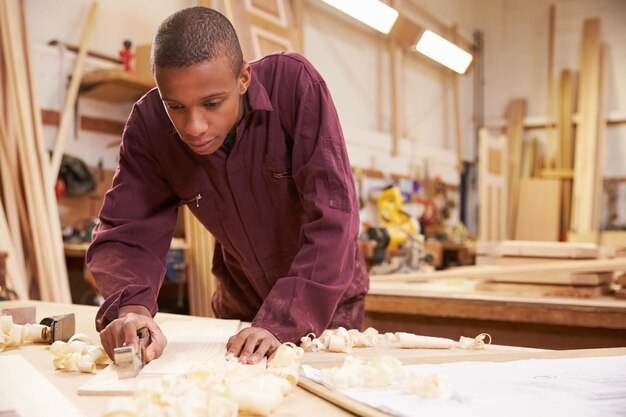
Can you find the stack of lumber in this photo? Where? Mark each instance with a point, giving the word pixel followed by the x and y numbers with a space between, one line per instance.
pixel 568 181
pixel 30 230
pixel 546 283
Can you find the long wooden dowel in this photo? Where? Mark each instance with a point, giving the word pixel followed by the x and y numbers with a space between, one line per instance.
pixel 340 399
pixel 552 146
pixel 72 92
pixel 14 271
pixel 61 284
pixel 596 265
pixel 15 103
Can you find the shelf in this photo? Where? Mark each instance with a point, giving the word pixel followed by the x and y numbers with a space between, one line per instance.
pixel 113 85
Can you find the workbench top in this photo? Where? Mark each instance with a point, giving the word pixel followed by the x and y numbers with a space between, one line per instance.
pixel 297 403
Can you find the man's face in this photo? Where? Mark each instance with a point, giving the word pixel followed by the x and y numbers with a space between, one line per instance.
pixel 203 101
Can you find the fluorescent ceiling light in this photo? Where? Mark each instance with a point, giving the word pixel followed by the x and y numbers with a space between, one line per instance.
pixel 371 12
pixel 444 52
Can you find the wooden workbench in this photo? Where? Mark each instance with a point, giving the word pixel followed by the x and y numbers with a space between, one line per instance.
pixel 68 383
pixel 297 403
pixel 451 309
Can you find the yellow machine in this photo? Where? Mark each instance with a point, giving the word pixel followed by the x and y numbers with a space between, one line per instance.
pixel 396 244
pixel 399 224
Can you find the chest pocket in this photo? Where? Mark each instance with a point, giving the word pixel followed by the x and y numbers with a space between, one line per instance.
pixel 278 174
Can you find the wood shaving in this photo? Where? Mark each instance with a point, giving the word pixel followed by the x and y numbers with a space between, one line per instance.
pixel 222 387
pixel 342 340
pixel 355 372
pixel 77 355
pixel 429 387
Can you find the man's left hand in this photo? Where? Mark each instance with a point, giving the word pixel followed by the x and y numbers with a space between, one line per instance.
pixel 252 344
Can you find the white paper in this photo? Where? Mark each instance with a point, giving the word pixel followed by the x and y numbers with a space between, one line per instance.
pixel 189 343
pixel 28 393
pixel 525 388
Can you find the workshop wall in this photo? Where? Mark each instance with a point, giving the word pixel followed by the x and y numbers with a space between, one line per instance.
pixel 353 60
pixel 63 20
pixel 516 35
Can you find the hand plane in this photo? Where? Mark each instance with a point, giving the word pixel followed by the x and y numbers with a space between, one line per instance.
pixel 128 359
pixel 51 329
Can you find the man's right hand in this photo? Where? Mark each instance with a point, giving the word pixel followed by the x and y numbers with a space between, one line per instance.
pixel 124 331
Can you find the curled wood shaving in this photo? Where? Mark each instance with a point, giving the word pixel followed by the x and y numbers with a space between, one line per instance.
pixel 339 340
pixel 342 340
pixel 77 355
pixel 10 334
pixel 222 387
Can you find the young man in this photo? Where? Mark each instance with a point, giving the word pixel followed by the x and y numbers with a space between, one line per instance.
pixel 256 151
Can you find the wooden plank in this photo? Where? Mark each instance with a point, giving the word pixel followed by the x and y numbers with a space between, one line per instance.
pixel 72 92
pixel 559 278
pixel 543 290
pixel 587 140
pixel 551 148
pixel 19 380
pixel 394 69
pixel 339 399
pixel 598 173
pixel 538 216
pixel 565 160
pixel 547 249
pixel 29 160
pixel 515 135
pixel 114 85
pixel 198 340
pixel 87 123
pixel 599 265
pixel 492 187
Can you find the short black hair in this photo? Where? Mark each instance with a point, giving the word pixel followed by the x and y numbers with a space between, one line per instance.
pixel 194 35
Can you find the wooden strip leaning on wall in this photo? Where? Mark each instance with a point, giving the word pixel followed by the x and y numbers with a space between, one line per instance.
pixel 515 137
pixel 54 222
pixel 72 92
pixel 42 216
pixel 14 98
pixel 584 182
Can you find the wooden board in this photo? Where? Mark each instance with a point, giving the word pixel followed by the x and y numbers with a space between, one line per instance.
pixel 20 383
pixel 564 278
pixel 189 343
pixel 565 133
pixel 600 265
pixel 537 249
pixel 492 187
pixel 114 85
pixel 538 215
pixel 584 222
pixel 515 113
pixel 542 290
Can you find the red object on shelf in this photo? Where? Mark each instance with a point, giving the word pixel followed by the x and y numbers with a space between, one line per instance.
pixel 126 55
